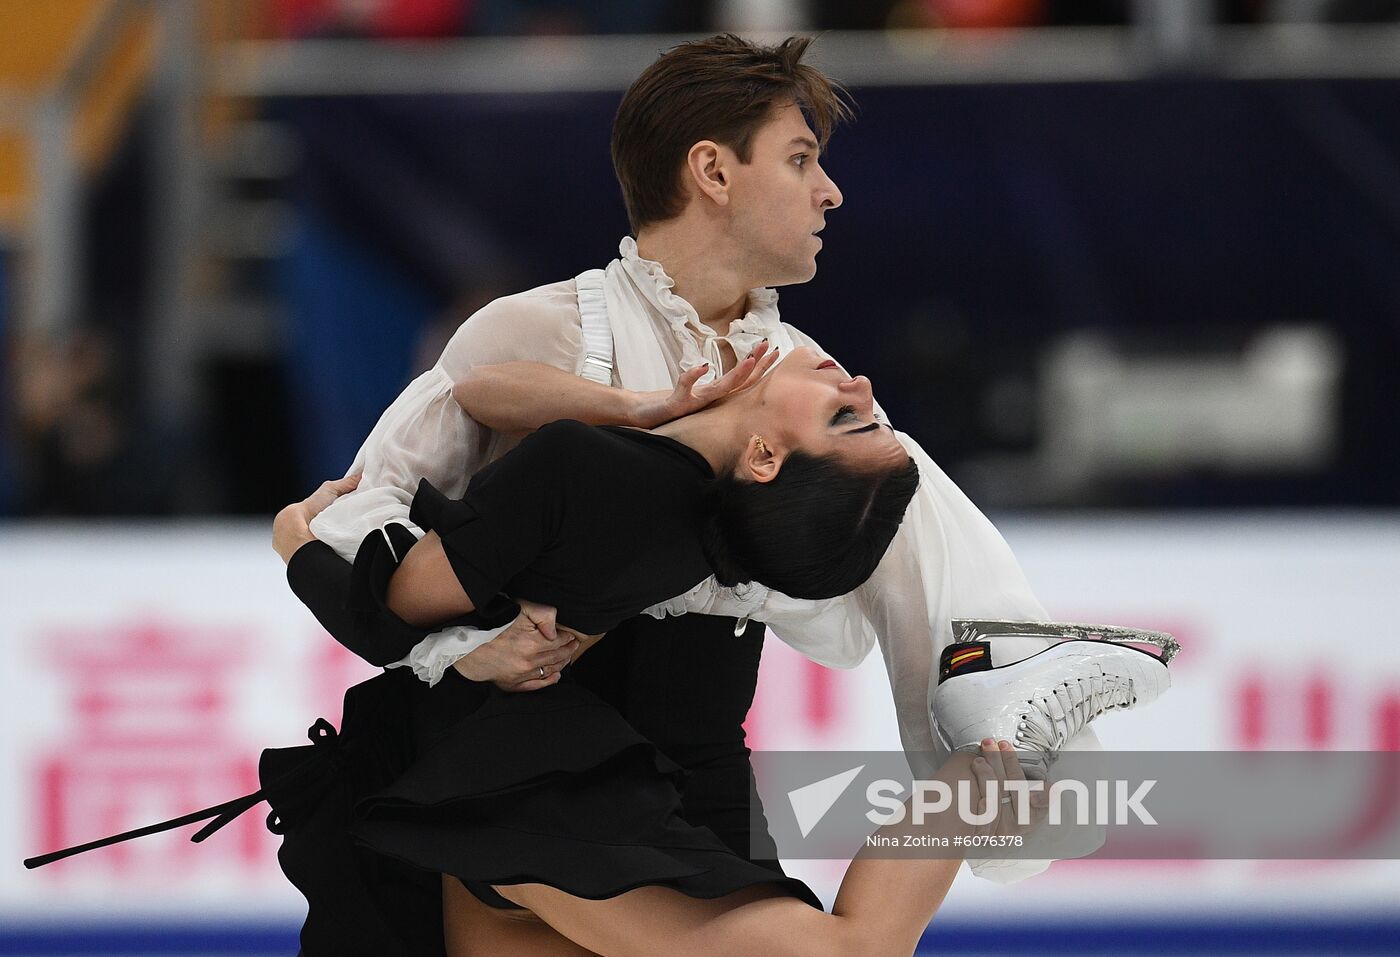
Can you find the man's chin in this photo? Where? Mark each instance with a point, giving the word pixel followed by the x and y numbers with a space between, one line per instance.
pixel 800 273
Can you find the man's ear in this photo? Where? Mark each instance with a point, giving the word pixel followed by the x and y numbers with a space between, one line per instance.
pixel 758 462
pixel 705 164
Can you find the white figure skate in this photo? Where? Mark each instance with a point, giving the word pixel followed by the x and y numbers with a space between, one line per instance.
pixel 1040 702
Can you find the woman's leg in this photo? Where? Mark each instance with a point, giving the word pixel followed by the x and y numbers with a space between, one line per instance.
pixel 471 929
pixel 658 920
pixel 883 906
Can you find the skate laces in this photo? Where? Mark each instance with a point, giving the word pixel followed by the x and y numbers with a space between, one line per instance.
pixel 1053 719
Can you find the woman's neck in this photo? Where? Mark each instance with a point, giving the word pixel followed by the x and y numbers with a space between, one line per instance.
pixel 712 432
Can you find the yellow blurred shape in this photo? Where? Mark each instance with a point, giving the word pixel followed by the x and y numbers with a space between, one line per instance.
pixel 42 42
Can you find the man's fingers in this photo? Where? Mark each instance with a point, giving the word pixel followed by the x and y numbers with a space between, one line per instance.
pixel 542 617
pixel 534 649
pixel 531 645
pixel 340 486
pixel 326 493
pixel 532 684
pixel 541 673
pixel 546 655
pixel 554 656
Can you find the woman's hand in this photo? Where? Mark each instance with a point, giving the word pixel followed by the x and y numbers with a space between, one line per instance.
pixel 655 408
pixel 291 529
pixel 1018 813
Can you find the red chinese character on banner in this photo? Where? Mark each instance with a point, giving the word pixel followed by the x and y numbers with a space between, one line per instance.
pixel 153 739
pixel 1315 712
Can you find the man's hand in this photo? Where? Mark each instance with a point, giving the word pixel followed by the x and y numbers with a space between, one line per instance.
pixel 291 529
pixel 654 408
pixel 528 655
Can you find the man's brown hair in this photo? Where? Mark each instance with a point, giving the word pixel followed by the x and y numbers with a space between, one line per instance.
pixel 722 88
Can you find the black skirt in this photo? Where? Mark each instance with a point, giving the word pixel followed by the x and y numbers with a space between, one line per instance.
pixel 551 787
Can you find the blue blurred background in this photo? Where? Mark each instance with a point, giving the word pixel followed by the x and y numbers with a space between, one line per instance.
pixel 1095 256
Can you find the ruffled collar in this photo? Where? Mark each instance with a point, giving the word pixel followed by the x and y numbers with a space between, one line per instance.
pixel 650 279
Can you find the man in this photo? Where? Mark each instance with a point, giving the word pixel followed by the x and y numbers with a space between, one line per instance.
pixel 717 149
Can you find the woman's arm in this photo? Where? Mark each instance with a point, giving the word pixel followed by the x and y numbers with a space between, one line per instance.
pixel 517 397
pixel 424 589
pixel 324 581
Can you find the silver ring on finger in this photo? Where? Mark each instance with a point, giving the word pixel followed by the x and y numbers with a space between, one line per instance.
pixel 1006 799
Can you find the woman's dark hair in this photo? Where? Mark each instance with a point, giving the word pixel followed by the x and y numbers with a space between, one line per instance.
pixel 817 530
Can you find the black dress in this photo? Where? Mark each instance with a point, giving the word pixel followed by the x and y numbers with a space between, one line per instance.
pixel 553 786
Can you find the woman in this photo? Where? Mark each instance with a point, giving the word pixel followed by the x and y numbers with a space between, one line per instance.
pixel 812 527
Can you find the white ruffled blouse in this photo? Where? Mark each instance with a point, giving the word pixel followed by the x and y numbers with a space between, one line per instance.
pixel 946 562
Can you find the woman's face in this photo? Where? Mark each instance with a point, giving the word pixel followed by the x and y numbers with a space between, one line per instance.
pixel 809 403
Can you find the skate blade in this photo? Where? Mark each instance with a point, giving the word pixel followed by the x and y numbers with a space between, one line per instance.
pixel 980 629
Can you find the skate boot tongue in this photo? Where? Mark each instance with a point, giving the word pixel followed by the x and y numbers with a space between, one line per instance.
pixel 1059 713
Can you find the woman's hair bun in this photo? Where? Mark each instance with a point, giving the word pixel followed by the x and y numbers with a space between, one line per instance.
pixel 816 530
pixel 723 562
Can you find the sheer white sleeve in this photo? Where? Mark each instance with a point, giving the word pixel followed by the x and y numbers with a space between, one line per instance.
pixel 425 434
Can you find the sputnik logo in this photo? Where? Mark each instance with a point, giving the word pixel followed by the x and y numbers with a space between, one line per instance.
pixel 811 801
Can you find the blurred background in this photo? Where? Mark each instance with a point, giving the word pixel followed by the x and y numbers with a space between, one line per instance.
pixel 1128 269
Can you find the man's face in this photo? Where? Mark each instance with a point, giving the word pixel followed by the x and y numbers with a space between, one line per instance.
pixel 778 201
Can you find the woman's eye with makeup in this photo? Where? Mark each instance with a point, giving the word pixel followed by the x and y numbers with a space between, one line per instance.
pixel 843 413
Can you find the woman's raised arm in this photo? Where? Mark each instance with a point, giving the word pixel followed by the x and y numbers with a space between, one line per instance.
pixel 517 397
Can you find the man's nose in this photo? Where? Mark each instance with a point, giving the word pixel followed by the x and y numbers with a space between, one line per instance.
pixel 829 194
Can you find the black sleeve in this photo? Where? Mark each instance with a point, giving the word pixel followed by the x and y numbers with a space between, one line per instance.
pixel 321 579
pixel 348 600
pixel 513 508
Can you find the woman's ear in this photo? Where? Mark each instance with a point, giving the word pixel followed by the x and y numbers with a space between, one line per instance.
pixel 705 165
pixel 759 463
